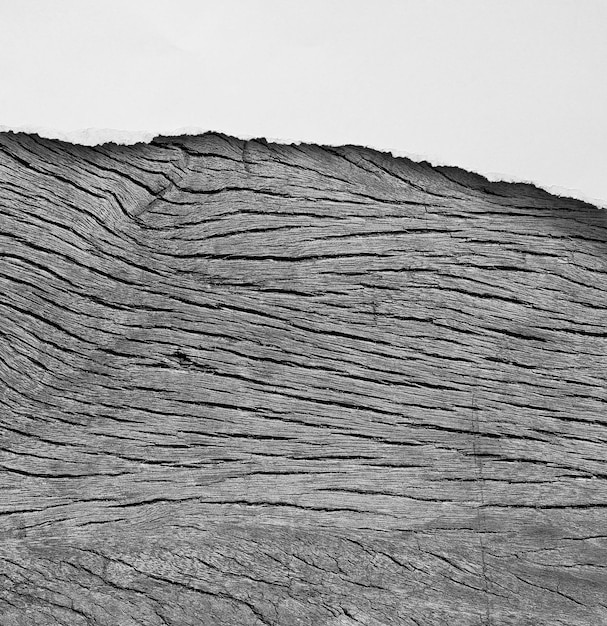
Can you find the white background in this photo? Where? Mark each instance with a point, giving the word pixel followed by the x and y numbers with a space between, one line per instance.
pixel 515 87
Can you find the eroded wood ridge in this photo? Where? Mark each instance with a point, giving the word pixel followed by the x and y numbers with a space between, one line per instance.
pixel 245 383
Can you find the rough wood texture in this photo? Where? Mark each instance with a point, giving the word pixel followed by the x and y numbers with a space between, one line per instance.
pixel 245 383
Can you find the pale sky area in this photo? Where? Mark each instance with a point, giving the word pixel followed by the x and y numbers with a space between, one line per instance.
pixel 514 89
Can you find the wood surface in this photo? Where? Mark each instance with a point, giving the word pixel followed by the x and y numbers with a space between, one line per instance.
pixel 244 383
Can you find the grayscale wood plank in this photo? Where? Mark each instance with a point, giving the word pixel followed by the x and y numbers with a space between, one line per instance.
pixel 244 383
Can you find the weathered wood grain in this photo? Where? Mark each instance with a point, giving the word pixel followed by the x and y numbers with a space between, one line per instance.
pixel 245 383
